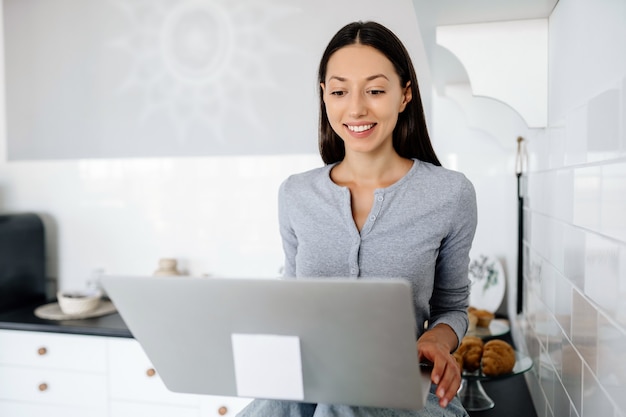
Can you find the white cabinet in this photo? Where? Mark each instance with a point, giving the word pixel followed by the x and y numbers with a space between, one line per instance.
pixel 62 374
pixel 137 389
pixel 55 374
pixel 135 386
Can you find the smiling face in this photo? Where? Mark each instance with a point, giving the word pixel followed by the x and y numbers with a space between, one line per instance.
pixel 363 97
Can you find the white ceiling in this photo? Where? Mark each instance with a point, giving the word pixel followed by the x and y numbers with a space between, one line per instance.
pixel 452 12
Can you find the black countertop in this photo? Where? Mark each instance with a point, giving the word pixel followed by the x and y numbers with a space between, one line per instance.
pixel 24 319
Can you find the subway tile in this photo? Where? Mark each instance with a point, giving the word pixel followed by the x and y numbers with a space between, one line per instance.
pixel 537 191
pixel 548 286
pixel 585 328
pixel 613 201
pixel 596 402
pixel 602 272
pixel 541 234
pixel 536 316
pixel 576 133
pixel 547 378
pixel 572 374
pixel 563 305
pixel 561 404
pixel 538 154
pixel 549 199
pixel 556 147
pixel 587 197
pixel 574 255
pixel 603 124
pixel 556 252
pixel 536 393
pixel 554 344
pixel 611 372
pixel 534 272
pixel 564 196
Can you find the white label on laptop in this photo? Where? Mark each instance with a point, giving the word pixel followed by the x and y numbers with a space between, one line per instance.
pixel 268 366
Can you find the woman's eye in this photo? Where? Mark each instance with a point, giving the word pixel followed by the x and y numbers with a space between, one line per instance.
pixel 376 92
pixel 337 93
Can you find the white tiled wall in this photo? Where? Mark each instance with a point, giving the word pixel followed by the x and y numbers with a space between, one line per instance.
pixel 575 242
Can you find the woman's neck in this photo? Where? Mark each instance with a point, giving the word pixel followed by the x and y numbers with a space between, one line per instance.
pixel 374 172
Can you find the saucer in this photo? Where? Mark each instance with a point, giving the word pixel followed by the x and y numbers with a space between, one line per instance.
pixel 53 311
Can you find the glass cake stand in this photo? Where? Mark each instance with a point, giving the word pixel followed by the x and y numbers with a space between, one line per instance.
pixel 472 394
pixel 497 327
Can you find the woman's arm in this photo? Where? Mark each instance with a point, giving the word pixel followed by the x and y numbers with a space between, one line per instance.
pixel 436 345
pixel 287 234
pixel 449 301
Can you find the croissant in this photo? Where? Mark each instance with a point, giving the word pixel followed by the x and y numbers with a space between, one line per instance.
pixel 498 358
pixel 471 350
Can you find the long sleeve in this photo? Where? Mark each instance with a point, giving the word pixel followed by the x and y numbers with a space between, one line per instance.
pixel 451 290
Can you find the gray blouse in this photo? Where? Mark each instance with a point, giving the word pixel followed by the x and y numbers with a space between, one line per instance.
pixel 420 228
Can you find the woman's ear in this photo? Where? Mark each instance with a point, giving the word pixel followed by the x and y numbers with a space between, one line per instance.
pixel 407 96
pixel 323 87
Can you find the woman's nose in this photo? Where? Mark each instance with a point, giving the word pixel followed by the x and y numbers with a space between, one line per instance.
pixel 357 106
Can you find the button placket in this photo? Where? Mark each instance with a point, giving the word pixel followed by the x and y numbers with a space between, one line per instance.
pixel 378 205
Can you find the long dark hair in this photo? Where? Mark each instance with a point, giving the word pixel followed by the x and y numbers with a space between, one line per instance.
pixel 410 136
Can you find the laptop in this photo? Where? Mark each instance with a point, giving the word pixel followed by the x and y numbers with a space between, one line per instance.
pixel 334 341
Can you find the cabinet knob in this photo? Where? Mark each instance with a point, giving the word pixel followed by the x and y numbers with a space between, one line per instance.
pixel 43 387
pixel 151 372
pixel 42 351
pixel 222 411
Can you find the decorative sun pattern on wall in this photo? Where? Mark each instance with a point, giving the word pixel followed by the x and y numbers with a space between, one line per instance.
pixel 200 65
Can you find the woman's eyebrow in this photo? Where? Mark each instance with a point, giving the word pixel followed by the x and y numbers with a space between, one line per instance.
pixel 370 78
pixel 373 77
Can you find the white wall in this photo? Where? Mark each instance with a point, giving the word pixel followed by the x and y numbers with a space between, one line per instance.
pixel 216 215
pixel 574 324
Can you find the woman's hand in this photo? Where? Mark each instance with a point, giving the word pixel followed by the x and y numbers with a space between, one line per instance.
pixel 435 346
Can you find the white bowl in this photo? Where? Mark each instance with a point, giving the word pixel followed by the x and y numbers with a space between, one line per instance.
pixel 78 302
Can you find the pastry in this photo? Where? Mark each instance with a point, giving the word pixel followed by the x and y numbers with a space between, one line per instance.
pixel 473 321
pixel 484 317
pixel 498 358
pixel 471 350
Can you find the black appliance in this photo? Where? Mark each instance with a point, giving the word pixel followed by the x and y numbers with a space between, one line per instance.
pixel 22 261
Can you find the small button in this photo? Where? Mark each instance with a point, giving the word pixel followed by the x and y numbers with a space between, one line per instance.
pixel 380 198
pixel 353 271
pixel 372 218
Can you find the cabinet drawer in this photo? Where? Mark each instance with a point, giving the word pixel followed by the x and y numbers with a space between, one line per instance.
pixel 131 409
pixel 213 406
pixel 17 409
pixel 47 386
pixel 52 350
pixel 132 376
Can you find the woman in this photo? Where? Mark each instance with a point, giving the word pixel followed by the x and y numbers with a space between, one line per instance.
pixel 382 206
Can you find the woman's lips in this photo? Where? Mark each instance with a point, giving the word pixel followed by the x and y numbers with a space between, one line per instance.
pixel 360 128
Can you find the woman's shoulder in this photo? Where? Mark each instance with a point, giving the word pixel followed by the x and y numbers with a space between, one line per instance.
pixel 302 180
pixel 441 176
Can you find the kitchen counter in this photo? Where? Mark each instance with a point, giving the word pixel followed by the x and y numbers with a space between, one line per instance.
pixel 24 319
pixel 510 395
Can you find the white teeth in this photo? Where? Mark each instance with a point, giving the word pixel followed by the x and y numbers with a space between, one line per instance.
pixel 361 128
